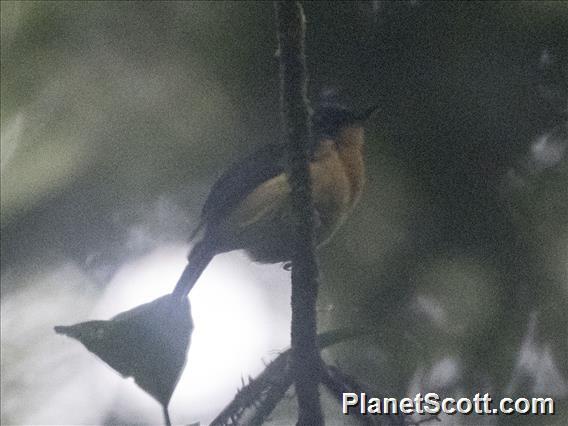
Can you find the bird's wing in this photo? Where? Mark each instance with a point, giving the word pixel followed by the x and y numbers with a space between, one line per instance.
pixel 240 180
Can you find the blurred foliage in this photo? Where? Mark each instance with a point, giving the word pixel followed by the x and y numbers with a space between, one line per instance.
pixel 116 117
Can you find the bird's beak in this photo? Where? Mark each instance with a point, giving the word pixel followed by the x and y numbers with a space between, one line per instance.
pixel 366 114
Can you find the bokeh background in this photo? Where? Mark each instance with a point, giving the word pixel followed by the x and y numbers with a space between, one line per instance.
pixel 116 118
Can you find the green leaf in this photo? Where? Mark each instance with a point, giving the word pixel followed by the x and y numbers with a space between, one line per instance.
pixel 148 343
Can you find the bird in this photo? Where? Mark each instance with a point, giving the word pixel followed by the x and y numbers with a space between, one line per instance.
pixel 249 206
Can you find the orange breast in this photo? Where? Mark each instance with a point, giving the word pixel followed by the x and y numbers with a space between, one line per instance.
pixel 262 224
pixel 338 176
pixel 350 150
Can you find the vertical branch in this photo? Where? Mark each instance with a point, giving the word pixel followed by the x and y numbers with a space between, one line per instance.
pixel 306 361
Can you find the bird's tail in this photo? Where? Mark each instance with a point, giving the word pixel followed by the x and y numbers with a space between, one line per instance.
pixel 197 261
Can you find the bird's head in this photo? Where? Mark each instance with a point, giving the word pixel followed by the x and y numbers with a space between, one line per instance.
pixel 329 119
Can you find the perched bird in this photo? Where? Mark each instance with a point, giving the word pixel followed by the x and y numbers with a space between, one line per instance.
pixel 249 206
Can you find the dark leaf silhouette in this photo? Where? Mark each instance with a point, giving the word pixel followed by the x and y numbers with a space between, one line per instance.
pixel 148 343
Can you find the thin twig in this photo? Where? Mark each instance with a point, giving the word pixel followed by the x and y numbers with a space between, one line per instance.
pixel 263 393
pixel 272 397
pixel 306 360
pixel 258 392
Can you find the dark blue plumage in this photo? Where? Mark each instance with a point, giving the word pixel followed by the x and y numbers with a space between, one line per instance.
pixel 269 161
pixel 248 206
